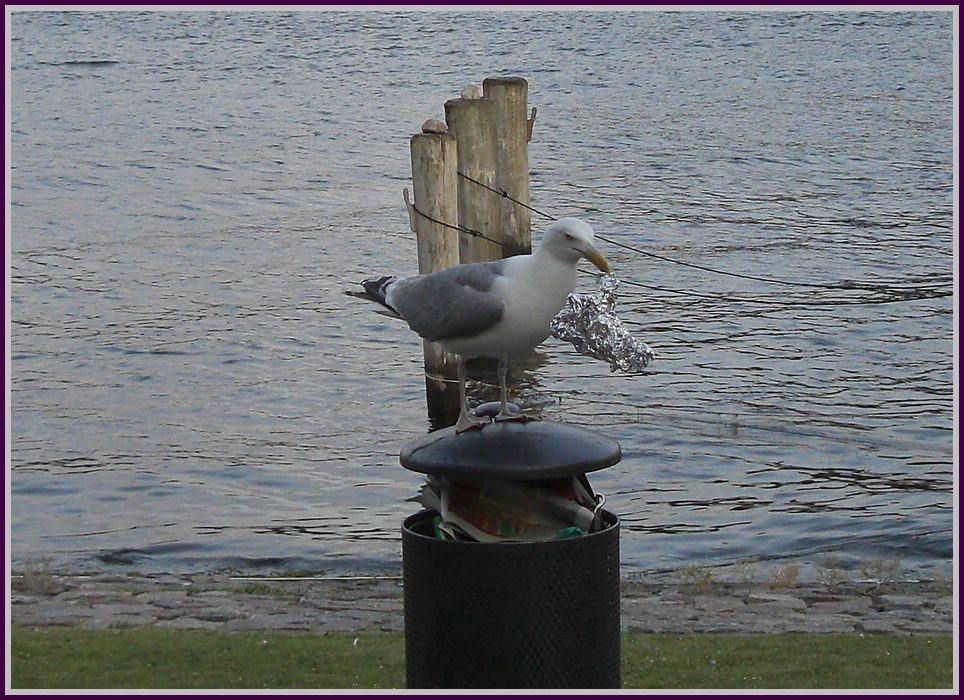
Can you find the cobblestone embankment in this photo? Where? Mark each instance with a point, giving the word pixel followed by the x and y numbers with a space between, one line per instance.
pixel 359 604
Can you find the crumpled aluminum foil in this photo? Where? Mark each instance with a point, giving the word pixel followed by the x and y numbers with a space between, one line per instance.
pixel 589 322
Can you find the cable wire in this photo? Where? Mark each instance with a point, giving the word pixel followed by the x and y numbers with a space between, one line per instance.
pixel 900 294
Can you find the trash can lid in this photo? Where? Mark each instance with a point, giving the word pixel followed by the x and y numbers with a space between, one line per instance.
pixel 511 451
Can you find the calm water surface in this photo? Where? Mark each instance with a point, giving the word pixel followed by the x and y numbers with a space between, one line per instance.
pixel 192 193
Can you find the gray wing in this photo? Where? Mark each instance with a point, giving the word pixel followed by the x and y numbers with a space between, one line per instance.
pixel 458 302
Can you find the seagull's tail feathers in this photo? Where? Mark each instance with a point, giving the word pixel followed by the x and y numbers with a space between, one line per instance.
pixel 376 289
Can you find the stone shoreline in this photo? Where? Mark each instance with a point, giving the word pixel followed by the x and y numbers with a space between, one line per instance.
pixel 374 603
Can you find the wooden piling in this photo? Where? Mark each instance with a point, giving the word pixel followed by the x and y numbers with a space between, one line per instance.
pixel 435 185
pixel 486 139
pixel 472 122
pixel 513 131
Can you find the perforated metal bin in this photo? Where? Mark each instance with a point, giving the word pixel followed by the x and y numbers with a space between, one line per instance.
pixel 511 614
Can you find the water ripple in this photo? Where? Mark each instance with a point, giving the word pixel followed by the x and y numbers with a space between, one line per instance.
pixel 192 389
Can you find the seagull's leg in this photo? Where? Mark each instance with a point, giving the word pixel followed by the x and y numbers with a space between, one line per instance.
pixel 465 421
pixel 503 390
pixel 504 412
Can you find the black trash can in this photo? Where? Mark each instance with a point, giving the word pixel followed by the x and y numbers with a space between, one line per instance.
pixel 511 614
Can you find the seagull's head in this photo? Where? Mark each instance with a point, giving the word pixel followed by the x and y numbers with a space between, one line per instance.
pixel 570 239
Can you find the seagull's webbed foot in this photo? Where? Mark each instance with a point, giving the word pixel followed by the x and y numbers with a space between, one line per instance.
pixel 467 421
pixel 506 415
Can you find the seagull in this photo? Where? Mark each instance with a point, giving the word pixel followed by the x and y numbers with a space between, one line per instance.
pixel 497 309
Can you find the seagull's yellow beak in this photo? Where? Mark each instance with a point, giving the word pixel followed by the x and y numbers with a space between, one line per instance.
pixel 596 258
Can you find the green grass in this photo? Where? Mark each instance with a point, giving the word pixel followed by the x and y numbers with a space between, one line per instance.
pixel 786 661
pixel 69 657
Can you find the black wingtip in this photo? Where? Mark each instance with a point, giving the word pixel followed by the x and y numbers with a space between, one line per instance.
pixel 376 290
pixel 376 287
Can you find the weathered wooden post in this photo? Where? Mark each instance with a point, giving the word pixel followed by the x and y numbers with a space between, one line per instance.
pixel 513 130
pixel 472 122
pixel 487 141
pixel 435 184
